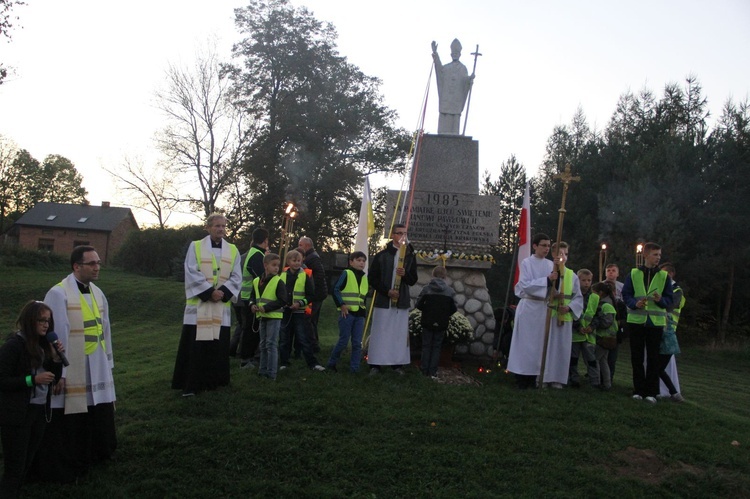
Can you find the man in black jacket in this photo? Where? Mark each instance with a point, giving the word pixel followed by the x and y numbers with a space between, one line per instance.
pixel 389 336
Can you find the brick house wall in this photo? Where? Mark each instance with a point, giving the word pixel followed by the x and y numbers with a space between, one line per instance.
pixel 62 241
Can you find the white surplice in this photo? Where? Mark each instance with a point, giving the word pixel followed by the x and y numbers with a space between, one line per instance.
pixel 529 325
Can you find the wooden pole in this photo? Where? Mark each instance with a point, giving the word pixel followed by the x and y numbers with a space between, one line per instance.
pixel 566 177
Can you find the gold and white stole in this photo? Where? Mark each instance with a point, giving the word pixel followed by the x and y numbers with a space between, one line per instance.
pixel 210 314
pixel 75 373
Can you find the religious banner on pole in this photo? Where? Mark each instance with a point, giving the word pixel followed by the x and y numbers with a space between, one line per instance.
pixel 366 226
pixel 524 234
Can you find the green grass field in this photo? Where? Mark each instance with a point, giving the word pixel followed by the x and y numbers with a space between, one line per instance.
pixel 340 435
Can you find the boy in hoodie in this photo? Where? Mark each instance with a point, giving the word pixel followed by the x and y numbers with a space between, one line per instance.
pixel 349 295
pixel 437 305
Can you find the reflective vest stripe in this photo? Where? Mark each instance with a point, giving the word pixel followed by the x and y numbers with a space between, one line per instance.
pixel 92 322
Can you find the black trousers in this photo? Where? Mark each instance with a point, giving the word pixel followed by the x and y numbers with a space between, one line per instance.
pixel 644 345
pixel 20 445
pixel 663 363
pixel 73 443
pixel 250 335
pixel 313 325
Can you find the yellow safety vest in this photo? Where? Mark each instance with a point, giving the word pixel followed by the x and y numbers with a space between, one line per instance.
pixel 608 309
pixel 93 331
pixel 588 316
pixel 247 279
pixel 269 295
pixel 298 293
pixel 652 311
pixel 354 296
pixel 233 251
pixel 675 314
pixel 567 296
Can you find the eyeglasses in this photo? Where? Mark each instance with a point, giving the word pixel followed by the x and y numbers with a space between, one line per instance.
pixel 91 264
pixel 44 321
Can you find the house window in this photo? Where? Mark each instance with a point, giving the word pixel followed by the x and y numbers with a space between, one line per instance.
pixel 51 217
pixel 46 244
pixel 48 231
pixel 82 234
pixel 82 219
pixel 80 243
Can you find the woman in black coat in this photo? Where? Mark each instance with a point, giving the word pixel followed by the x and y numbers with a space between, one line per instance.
pixel 28 368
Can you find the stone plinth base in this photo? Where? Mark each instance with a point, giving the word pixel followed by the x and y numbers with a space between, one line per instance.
pixel 472 300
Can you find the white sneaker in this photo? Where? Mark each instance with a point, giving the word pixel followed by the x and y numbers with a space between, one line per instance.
pixel 650 400
pixel 677 397
pixel 319 368
pixel 557 386
pixel 282 368
pixel 637 397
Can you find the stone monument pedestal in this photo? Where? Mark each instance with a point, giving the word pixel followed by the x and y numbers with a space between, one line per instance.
pixel 452 225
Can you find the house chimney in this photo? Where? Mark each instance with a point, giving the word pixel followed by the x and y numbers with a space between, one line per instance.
pixel 105 204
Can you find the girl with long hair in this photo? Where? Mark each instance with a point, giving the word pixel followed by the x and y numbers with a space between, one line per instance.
pixel 29 366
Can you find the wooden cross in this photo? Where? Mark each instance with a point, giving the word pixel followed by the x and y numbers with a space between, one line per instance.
pixel 566 177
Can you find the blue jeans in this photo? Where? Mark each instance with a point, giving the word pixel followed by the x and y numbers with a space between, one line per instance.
pixel 294 327
pixel 432 342
pixel 349 327
pixel 269 347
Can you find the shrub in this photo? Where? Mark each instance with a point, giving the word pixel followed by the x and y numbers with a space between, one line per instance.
pixel 15 256
pixel 157 252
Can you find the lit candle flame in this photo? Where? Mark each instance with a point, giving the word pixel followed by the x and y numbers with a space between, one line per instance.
pixel 639 248
pixel 604 246
pixel 289 208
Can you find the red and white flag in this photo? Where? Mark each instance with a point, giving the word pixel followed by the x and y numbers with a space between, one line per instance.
pixel 524 234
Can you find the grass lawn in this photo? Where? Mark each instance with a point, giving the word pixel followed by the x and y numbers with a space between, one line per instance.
pixel 340 435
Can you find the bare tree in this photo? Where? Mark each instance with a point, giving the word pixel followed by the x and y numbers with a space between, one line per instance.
pixel 152 189
pixel 205 133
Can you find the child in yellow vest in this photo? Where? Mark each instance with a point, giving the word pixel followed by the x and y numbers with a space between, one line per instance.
pixel 267 300
pixel 300 290
pixel 583 343
pixel 604 325
pixel 349 296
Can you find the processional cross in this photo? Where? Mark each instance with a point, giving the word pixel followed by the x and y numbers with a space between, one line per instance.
pixel 566 177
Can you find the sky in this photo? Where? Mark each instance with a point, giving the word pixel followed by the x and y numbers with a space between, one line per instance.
pixel 85 71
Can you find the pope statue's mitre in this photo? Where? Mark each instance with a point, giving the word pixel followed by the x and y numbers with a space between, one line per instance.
pixel 455 45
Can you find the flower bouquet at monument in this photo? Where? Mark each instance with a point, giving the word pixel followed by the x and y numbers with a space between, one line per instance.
pixel 459 329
